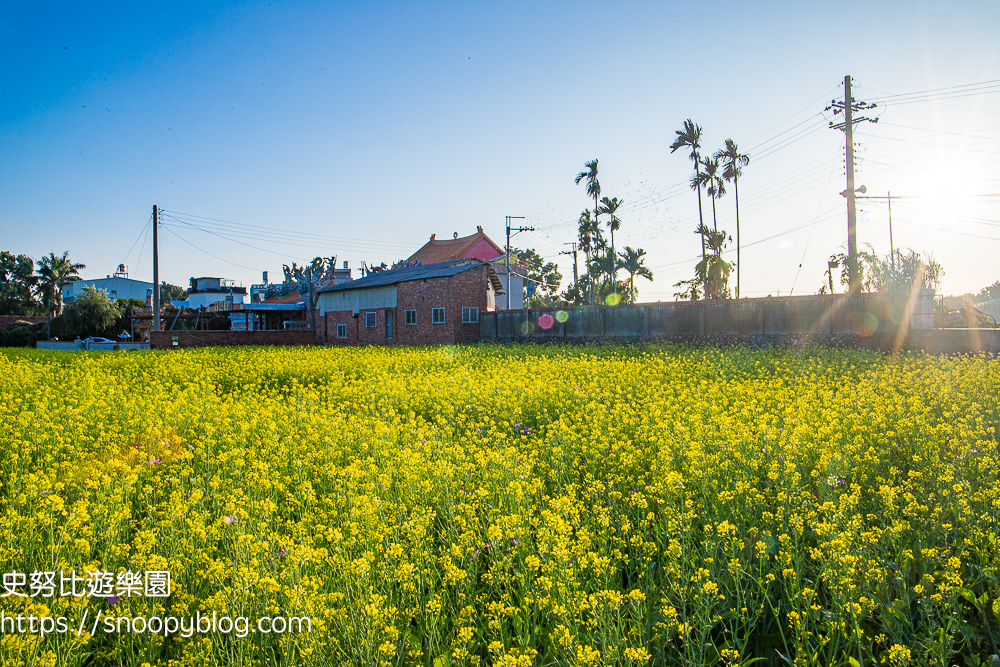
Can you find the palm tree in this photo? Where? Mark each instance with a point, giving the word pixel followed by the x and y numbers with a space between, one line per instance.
pixel 713 270
pixel 587 230
pixel 690 137
pixel 603 265
pixel 633 262
pixel 611 206
pixel 593 186
pixel 716 186
pixel 733 163
pixel 52 273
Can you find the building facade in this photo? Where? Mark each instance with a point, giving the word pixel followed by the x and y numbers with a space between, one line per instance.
pixel 477 246
pixel 116 287
pixel 415 305
pixel 206 291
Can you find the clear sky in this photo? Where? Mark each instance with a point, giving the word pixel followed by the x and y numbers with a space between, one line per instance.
pixel 359 129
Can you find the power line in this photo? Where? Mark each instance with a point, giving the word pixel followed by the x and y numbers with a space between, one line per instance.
pixel 277 231
pixel 991 82
pixel 240 242
pixel 957 134
pixel 813 228
pixel 950 231
pixel 208 253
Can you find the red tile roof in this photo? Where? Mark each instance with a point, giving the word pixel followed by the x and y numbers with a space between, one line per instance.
pixel 477 246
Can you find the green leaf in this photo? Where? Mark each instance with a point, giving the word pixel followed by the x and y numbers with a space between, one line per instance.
pixel 854 663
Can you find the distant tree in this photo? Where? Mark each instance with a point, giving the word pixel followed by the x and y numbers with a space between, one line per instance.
pixel 17 285
pixel 716 186
pixel 593 185
pixel 712 273
pixel 53 273
pixel 602 268
pixel 545 274
pixel 990 292
pixel 610 207
pixel 690 137
pixel 589 233
pixel 733 162
pixel 898 272
pixel 91 313
pixel 170 293
pixel 633 262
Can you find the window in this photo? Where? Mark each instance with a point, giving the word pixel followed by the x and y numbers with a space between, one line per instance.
pixel 371 320
pixel 341 331
pixel 437 315
pixel 470 315
pixel 388 325
pixel 411 317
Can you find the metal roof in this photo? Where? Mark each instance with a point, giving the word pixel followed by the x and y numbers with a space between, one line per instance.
pixel 408 273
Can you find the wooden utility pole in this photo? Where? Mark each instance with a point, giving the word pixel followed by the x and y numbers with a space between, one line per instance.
pixel 848 106
pixel 156 270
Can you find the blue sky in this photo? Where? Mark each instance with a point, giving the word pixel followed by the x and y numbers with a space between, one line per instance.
pixel 359 129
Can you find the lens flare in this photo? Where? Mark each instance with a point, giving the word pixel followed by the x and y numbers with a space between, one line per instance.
pixel 562 316
pixel 546 321
pixel 613 299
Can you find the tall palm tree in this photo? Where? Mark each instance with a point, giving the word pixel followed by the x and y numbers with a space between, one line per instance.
pixel 690 137
pixel 714 271
pixel 610 207
pixel 633 262
pixel 593 186
pixel 53 272
pixel 587 230
pixel 733 163
pixel 716 186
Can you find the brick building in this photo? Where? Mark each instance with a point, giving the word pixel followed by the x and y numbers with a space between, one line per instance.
pixel 414 305
pixel 477 246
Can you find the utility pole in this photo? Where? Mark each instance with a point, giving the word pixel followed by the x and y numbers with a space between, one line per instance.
pixel 156 270
pixel 848 106
pixel 576 275
pixel 515 230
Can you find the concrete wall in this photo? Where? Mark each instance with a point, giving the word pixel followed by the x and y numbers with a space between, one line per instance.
pixel 863 315
pixel 164 340
pixel 80 345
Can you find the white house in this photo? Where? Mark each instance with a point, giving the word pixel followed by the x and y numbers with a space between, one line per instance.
pixel 117 286
pixel 206 291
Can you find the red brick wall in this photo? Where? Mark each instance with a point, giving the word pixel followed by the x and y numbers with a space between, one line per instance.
pixel 468 288
pixel 163 340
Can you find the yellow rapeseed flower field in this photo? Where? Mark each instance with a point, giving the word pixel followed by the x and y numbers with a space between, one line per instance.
pixel 491 505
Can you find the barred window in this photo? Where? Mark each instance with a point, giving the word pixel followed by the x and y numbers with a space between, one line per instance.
pixel 411 317
pixel 470 315
pixel 437 315
pixel 341 331
pixel 370 320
